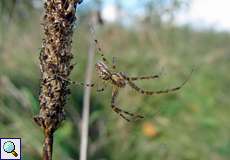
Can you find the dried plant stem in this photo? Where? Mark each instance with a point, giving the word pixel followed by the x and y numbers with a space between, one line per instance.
pixel 86 104
pixel 48 146
pixel 55 62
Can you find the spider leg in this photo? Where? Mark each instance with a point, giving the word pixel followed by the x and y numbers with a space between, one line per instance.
pixel 99 51
pixel 138 89
pixel 102 88
pixel 75 82
pixel 120 111
pixel 143 77
pixel 98 48
pixel 114 63
pixel 82 84
pixel 99 87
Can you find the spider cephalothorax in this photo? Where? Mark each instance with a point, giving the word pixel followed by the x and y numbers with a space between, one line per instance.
pixel 103 71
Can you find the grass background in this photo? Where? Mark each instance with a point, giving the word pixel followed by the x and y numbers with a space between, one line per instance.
pixel 190 124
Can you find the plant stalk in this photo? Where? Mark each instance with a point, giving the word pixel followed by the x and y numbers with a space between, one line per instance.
pixel 55 62
pixel 86 104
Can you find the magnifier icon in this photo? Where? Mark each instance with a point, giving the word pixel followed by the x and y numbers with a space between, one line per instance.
pixel 9 147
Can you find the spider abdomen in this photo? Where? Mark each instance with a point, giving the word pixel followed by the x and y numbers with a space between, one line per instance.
pixel 118 80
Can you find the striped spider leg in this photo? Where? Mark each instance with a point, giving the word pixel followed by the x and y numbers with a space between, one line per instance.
pixel 114 63
pixel 138 89
pixel 99 51
pixel 103 87
pixel 124 114
pixel 92 85
pixel 75 82
pixel 143 77
pixel 106 62
pixel 156 76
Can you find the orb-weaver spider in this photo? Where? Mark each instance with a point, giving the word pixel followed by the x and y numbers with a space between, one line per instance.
pixel 119 80
pixel 107 73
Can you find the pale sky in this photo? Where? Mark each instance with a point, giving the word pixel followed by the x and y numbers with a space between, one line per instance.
pixel 201 14
pixel 207 13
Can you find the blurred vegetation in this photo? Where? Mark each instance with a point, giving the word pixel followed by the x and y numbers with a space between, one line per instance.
pixel 190 124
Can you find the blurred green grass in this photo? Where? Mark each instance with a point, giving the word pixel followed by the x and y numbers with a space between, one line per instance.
pixel 191 124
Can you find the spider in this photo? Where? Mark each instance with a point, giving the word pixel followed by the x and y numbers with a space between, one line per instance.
pixel 118 80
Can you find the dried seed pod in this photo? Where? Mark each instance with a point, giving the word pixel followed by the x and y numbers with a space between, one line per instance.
pixel 55 59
